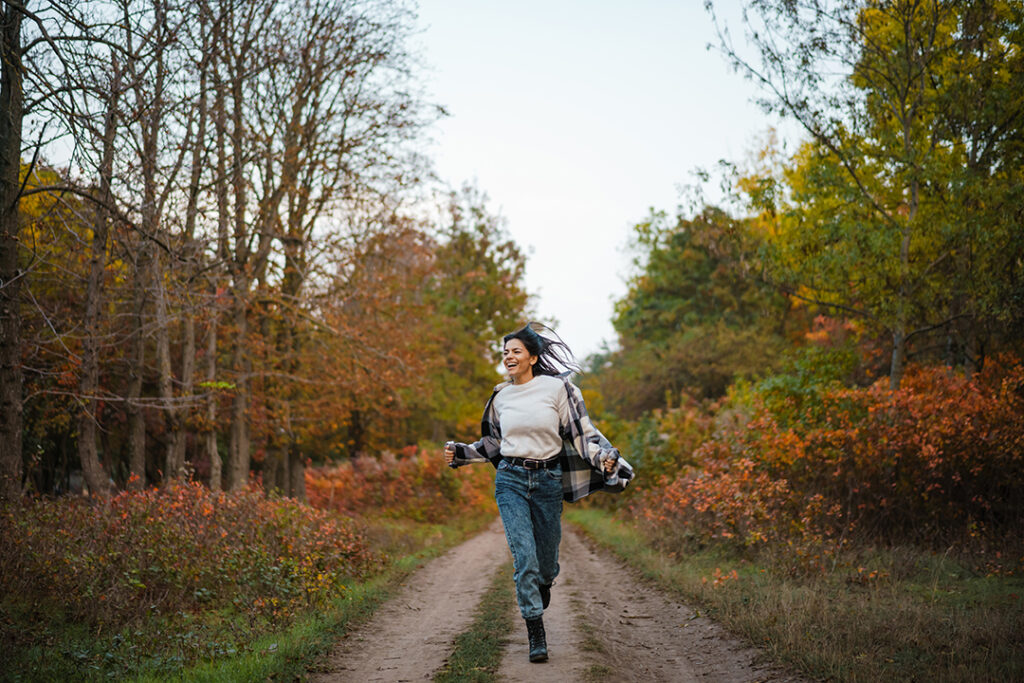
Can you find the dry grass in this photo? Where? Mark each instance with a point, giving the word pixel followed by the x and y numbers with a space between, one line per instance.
pixel 889 616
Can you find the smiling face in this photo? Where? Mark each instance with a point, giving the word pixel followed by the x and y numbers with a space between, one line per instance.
pixel 518 361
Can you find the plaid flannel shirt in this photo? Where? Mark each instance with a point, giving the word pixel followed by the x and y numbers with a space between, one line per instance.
pixel 584 448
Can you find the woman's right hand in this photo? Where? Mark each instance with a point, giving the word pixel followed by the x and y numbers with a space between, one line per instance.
pixel 449 452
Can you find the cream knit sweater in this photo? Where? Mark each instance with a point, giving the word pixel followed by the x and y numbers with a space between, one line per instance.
pixel 529 415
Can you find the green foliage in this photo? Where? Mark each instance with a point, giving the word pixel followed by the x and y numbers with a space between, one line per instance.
pixel 477 296
pixel 218 385
pixel 795 392
pixel 899 207
pixel 691 272
pixel 662 442
pixel 695 317
pixel 480 271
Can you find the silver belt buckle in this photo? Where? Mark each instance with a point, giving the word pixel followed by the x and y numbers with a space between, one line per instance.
pixel 531 464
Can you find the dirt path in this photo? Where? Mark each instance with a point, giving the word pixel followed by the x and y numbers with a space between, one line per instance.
pixel 636 632
pixel 568 658
pixel 602 624
pixel 409 638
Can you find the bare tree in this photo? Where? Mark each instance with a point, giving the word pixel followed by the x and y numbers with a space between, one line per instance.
pixel 76 84
pixel 217 143
pixel 193 247
pixel 239 29
pixel 41 67
pixel 155 136
pixel 137 153
pixel 337 111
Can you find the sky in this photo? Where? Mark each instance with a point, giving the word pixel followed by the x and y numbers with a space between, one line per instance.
pixel 576 117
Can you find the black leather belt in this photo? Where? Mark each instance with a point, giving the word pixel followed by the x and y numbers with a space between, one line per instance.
pixel 531 464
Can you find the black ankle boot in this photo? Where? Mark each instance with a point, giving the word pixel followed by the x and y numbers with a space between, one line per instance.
pixel 538 642
pixel 545 595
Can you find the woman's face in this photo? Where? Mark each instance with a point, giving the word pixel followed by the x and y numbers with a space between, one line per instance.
pixel 518 361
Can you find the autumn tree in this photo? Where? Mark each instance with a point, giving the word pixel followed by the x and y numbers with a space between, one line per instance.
pixel 61 332
pixel 368 353
pixel 338 112
pixel 126 111
pixel 229 239
pixel 981 101
pixel 34 59
pixel 477 295
pixel 878 215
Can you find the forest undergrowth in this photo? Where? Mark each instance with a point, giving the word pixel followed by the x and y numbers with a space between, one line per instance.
pixel 855 533
pixel 165 580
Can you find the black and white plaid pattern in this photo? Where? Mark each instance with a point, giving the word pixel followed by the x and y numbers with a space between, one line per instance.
pixel 584 449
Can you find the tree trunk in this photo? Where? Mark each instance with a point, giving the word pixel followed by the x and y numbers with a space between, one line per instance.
pixel 297 474
pixel 88 385
pixel 899 335
pixel 188 374
pixel 11 112
pixel 238 465
pixel 238 451
pixel 172 468
pixel 275 480
pixel 356 434
pixel 210 435
pixel 899 357
pixel 137 365
pixel 151 128
pixel 193 250
pixel 974 349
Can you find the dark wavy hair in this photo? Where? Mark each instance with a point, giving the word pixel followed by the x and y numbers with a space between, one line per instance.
pixel 554 356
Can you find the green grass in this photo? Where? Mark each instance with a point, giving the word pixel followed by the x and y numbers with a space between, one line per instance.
pixel 923 618
pixel 228 645
pixel 287 655
pixel 478 651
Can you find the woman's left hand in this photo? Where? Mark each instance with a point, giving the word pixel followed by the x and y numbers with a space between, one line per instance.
pixel 609 464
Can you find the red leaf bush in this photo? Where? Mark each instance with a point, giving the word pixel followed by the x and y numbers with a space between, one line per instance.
pixel 416 484
pixel 177 550
pixel 939 461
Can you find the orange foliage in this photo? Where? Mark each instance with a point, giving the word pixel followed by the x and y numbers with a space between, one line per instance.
pixel 938 461
pixel 183 549
pixel 415 484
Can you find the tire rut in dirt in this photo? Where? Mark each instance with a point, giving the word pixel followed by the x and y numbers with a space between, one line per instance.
pixel 410 636
pixel 634 631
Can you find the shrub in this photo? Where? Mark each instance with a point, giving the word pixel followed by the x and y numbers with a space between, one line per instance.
pixel 415 484
pixel 663 441
pixel 939 461
pixel 167 551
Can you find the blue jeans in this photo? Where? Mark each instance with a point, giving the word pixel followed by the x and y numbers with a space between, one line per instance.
pixel 530 503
